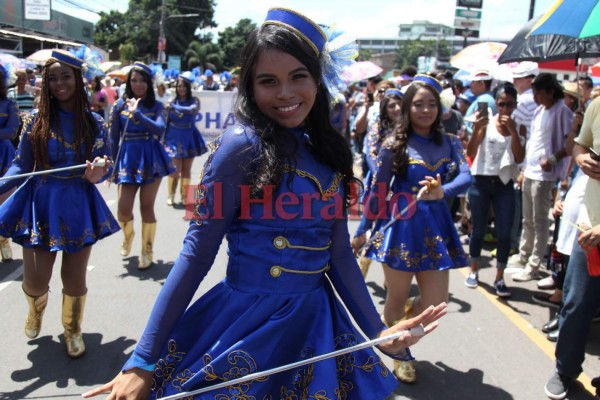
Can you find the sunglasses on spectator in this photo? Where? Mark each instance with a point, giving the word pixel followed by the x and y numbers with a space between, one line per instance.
pixel 506 104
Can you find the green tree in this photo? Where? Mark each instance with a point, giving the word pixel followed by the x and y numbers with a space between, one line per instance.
pixel 410 50
pixel 364 54
pixel 198 54
pixel 232 40
pixel 140 25
pixel 127 52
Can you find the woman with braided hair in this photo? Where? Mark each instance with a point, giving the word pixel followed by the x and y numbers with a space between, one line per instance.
pixel 63 210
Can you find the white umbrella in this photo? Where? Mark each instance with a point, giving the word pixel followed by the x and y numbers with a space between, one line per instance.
pixel 40 56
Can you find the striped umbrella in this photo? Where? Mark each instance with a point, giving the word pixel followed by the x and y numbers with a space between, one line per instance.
pixel 570 29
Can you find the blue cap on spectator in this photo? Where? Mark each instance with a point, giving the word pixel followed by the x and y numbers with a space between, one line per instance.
pixel 208 73
pixel 467 96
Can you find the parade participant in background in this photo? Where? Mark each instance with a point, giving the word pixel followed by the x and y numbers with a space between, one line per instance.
pixel 496 146
pixel 423 243
pixel 209 82
pixel 9 126
pixel 61 211
pixel 388 116
pixel 136 128
pixel 183 140
pixel 282 271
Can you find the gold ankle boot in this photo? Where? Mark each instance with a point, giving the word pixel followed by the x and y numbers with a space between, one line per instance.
pixel 37 306
pixel 185 182
pixel 171 188
pixel 72 315
pixel 128 233
pixel 5 250
pixel 148 235
pixel 404 371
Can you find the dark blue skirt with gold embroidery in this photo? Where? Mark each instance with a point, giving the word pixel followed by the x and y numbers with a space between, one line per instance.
pixel 182 141
pixel 142 160
pixel 56 214
pixel 229 333
pixel 424 239
pixel 7 153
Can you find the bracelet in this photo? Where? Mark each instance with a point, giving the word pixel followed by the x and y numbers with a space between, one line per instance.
pixel 552 159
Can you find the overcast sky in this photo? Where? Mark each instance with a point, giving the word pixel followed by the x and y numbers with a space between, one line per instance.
pixel 501 19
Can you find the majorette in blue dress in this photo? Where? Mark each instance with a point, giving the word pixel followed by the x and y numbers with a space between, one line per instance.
pixel 9 124
pixel 182 138
pixel 61 211
pixel 424 238
pixel 142 158
pixel 288 250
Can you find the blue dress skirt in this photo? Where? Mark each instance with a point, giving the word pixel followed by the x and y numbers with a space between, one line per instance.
pixel 56 214
pixel 7 153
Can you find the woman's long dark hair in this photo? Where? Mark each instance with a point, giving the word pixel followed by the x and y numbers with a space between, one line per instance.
pixel 150 98
pixel 404 128
pixel 48 121
pixel 385 122
pixel 3 88
pixel 328 146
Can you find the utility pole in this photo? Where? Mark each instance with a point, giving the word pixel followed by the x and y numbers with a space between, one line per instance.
pixel 531 9
pixel 162 41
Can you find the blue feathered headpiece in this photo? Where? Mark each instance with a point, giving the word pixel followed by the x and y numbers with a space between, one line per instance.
pixel 8 74
pixel 336 50
pixel 90 59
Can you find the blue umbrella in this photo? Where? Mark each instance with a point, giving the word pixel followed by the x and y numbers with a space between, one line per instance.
pixel 568 30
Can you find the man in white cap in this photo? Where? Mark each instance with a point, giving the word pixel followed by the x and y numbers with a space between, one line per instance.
pixel 523 75
pixel 481 85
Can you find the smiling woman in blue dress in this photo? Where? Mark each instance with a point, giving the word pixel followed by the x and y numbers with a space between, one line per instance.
pixel 183 140
pixel 286 257
pixel 418 159
pixel 136 128
pixel 60 211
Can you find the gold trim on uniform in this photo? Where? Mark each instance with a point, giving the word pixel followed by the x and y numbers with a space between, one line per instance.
pixel 281 242
pixel 325 194
pixel 277 270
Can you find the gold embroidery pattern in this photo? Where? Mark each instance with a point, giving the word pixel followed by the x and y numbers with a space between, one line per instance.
pixel 277 270
pixel 42 235
pixel 325 194
pixel 200 191
pixel 242 363
pixel 281 242
pixel 413 259
pixel 427 165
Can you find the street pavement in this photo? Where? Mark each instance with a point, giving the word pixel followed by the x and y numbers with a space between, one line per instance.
pixel 485 348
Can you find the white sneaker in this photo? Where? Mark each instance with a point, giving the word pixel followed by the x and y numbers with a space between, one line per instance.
pixel 547 283
pixel 528 274
pixel 515 261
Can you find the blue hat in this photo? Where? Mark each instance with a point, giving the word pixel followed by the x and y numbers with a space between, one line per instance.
pixel 300 24
pixel 467 96
pixel 429 81
pixel 188 77
pixel 208 73
pixel 394 92
pixel 66 57
pixel 143 67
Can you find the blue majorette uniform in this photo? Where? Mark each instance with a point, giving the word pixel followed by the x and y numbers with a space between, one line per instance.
pixel 182 138
pixel 9 124
pixel 425 237
pixel 141 158
pixel 62 211
pixel 288 252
